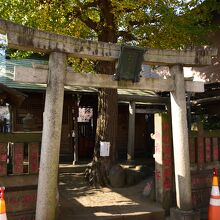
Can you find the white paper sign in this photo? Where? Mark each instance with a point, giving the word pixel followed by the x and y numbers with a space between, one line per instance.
pixel 104 149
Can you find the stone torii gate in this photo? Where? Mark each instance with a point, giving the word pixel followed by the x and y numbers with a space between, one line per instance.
pixel 60 47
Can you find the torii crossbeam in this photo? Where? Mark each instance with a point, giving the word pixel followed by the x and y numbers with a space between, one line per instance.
pixel 59 47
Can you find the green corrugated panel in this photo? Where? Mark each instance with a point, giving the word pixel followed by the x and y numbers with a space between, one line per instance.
pixel 7 72
pixel 7 75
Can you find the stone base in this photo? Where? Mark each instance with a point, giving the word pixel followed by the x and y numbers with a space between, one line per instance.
pixel 178 214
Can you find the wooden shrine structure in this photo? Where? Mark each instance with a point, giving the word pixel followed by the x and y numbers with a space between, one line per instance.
pixel 56 76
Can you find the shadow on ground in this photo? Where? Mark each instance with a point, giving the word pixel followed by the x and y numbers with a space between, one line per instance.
pixel 79 201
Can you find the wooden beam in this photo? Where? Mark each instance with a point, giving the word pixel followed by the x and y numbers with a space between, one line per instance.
pixel 19 137
pixel 151 111
pixel 15 181
pixel 206 100
pixel 144 99
pixel 24 38
pixel 40 75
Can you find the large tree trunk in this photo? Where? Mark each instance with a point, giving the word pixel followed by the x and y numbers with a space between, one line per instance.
pixel 107 120
pixel 106 130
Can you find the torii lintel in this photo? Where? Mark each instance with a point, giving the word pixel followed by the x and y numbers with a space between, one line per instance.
pixel 25 38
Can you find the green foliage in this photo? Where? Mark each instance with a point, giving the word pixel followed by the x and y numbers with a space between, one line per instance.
pixel 155 23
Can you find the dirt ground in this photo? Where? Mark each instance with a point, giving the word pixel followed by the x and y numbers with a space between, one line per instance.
pixel 79 201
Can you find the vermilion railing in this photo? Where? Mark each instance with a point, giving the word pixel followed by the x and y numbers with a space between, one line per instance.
pixel 204 156
pixel 19 167
pixel 19 153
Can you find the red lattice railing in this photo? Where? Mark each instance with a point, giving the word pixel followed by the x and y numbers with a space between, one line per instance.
pixel 19 153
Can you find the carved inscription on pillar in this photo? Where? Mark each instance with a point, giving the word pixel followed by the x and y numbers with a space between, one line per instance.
pixel 163 159
pixel 167 154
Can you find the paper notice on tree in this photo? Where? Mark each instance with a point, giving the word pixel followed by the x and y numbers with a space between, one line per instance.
pixel 104 149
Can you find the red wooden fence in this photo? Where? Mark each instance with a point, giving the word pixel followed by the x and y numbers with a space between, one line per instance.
pixel 19 165
pixel 204 156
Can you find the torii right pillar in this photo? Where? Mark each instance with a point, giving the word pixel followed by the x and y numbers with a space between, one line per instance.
pixel 181 149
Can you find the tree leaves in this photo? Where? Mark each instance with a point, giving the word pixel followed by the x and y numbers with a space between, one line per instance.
pixel 148 23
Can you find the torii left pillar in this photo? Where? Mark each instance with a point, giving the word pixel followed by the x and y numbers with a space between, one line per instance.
pixel 50 147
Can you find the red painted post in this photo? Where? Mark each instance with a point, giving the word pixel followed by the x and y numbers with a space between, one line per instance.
pixel 215 149
pixel 3 159
pixel 33 158
pixel 201 150
pixel 192 152
pixel 163 159
pixel 18 158
pixel 207 150
pixel 167 154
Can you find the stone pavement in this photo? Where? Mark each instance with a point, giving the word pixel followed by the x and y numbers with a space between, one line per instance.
pixel 79 201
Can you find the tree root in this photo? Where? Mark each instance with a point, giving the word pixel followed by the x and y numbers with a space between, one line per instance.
pixel 96 174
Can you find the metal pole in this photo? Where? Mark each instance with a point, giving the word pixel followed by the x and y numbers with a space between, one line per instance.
pixel 131 132
pixel 180 141
pixel 52 124
pixel 76 133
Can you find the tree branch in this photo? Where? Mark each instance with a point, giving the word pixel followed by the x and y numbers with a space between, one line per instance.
pixel 85 6
pixel 127 36
pixel 77 11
